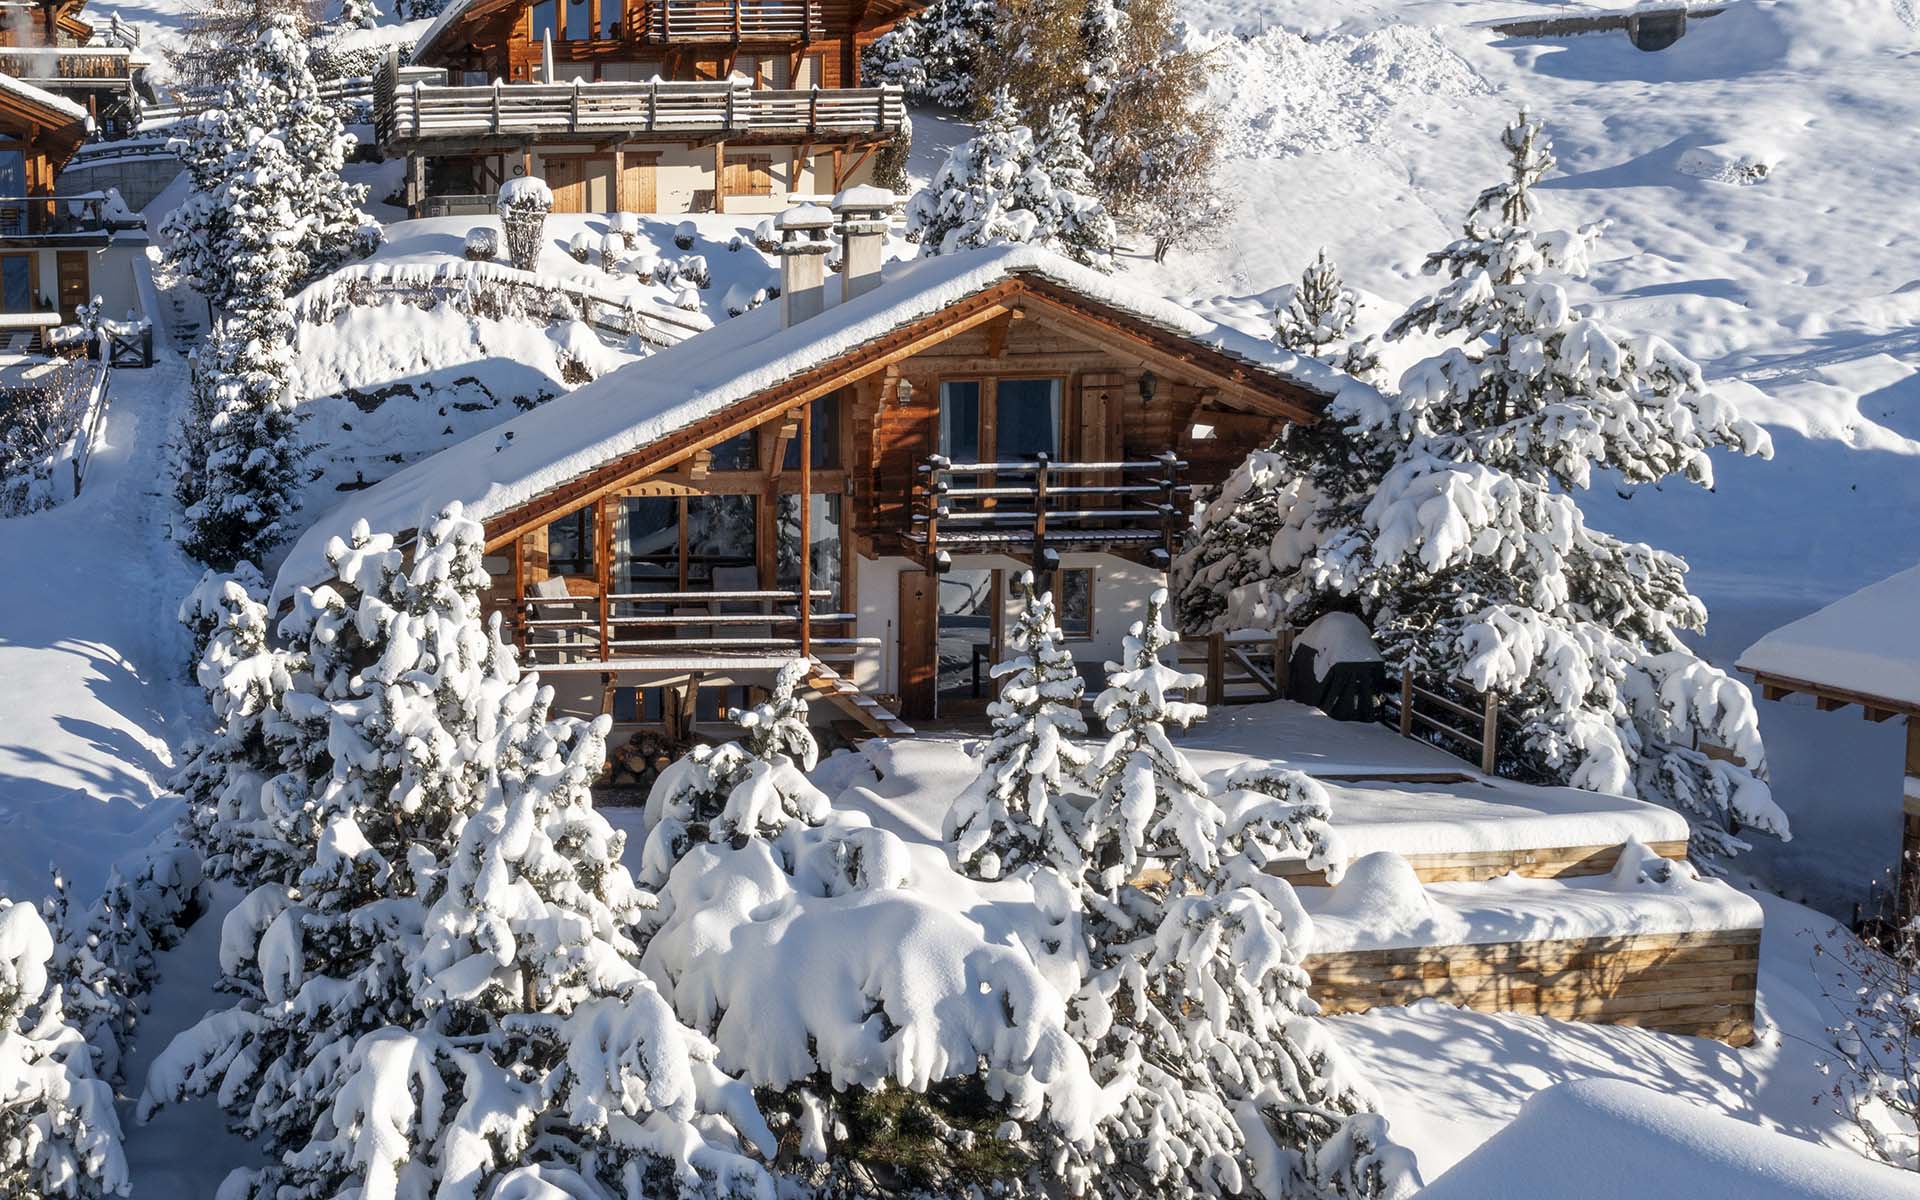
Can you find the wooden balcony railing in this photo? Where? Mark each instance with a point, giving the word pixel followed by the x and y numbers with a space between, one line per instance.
pixel 748 626
pixel 733 20
pixel 55 65
pixel 412 114
pixel 1037 509
pixel 86 212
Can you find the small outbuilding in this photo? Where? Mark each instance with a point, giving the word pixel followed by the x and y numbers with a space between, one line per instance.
pixel 1864 650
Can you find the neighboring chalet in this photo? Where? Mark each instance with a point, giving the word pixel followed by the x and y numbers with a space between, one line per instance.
pixel 99 66
pixel 937 427
pixel 639 105
pixel 1863 649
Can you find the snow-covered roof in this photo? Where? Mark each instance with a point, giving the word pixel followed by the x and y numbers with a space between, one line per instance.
pixel 451 15
pixel 1608 1139
pixel 639 404
pixel 1867 643
pixel 44 99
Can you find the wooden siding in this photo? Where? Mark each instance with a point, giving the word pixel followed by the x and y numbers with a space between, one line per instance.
pixel 1699 984
pixel 1547 862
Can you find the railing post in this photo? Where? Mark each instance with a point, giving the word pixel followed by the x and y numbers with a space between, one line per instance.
pixel 806 529
pixel 653 103
pixel 1169 512
pixel 416 108
pixel 1406 700
pixel 573 111
pixel 1490 734
pixel 603 570
pixel 936 488
pixel 813 110
pixel 496 107
pixel 1216 669
pixel 1043 559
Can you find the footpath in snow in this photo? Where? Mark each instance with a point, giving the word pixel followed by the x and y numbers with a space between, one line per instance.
pixel 94 694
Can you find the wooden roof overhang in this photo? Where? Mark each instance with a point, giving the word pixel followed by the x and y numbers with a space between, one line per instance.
pixel 448 39
pixel 1828 698
pixel 1239 382
pixel 44 126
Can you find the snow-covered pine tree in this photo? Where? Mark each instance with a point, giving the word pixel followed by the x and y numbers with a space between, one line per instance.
pixel 238 466
pixel 1319 316
pixel 934 54
pixel 1014 814
pixel 1149 802
pixel 755 787
pixel 994 188
pixel 438 986
pixel 59 1137
pixel 1083 228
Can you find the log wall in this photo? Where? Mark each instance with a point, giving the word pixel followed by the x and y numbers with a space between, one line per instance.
pixel 1700 984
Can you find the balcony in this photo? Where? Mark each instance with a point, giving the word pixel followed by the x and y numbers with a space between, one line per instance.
pixel 1035 510
pixel 58 67
pixel 84 216
pixel 421 116
pixel 733 21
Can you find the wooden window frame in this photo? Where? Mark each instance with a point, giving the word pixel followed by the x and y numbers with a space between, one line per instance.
pixel 989 431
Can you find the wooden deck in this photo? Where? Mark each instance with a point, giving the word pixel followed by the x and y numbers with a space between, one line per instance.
pixel 1699 984
pixel 1546 862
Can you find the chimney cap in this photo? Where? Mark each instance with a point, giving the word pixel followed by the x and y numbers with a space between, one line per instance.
pixel 804 216
pixel 864 198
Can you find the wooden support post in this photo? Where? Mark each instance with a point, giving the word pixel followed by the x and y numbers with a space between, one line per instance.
pixel 517 614
pixel 1490 734
pixel 619 177
pixel 526 159
pixel 1044 560
pixel 1283 665
pixel 1406 701
pixel 720 176
pixel 1216 669
pixel 1908 876
pixel 806 530
pixel 603 573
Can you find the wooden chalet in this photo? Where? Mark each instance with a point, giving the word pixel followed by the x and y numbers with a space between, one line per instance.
pixel 639 105
pixel 49 45
pixel 943 427
pixel 1862 651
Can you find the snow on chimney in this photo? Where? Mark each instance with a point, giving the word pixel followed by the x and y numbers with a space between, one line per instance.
pixel 863 234
pixel 803 252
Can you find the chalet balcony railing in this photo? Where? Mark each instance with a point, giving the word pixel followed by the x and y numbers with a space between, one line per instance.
pixel 86 212
pixel 733 20
pixel 45 66
pixel 417 113
pixel 751 626
pixel 1037 509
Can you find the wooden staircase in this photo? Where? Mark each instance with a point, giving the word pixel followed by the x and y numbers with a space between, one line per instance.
pixel 869 714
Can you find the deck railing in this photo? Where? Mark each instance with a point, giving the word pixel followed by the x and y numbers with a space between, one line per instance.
pixel 42 65
pixel 1426 715
pixel 733 20
pixel 1036 509
pixel 84 212
pixel 714 625
pixel 419 112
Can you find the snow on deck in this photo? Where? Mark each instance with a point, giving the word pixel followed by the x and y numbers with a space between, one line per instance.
pixel 1379 905
pixel 639 404
pixel 1868 642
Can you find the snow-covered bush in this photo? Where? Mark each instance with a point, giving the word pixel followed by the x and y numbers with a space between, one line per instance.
pixel 580 246
pixel 934 54
pixel 38 425
pixel 1447 514
pixel 995 187
pixel 755 787
pixel 1874 984
pixel 693 269
pixel 626 226
pixel 685 234
pixel 438 984
pixel 59 1137
pixel 613 248
pixel 483 244
pixel 523 206
pixel 1015 814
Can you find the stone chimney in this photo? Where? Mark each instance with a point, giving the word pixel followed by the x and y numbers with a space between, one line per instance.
pixel 862 213
pixel 803 258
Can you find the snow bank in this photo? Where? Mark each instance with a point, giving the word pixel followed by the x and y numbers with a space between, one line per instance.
pixel 1868 642
pixel 904 986
pixel 1380 905
pixel 739 359
pixel 1605 1139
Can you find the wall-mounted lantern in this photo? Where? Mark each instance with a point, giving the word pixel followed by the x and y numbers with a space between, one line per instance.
pixel 1149 384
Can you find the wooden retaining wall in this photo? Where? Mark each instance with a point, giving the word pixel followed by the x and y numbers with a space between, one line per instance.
pixel 1700 984
pixel 1547 862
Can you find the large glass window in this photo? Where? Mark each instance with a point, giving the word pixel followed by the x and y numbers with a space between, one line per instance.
pixel 824 541
pixel 579 20
pixel 720 534
pixel 546 21
pixel 1026 419
pixel 570 544
pixel 960 420
pixel 610 11
pixel 738 453
pixel 1073 602
pixel 16 283
pixel 826 436
pixel 647 544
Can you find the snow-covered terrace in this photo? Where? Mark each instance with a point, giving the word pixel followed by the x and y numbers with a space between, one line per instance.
pixel 1863 648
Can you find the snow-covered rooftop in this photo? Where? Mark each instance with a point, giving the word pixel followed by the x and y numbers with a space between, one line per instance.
pixel 645 401
pixel 1868 643
pixel 44 99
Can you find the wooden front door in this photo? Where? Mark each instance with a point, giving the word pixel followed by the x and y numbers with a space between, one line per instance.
pixel 637 188
pixel 581 183
pixel 71 268
pixel 919 634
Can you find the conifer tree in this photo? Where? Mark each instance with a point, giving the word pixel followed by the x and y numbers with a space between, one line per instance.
pixel 995 187
pixel 1319 315
pixel 1014 815
pixel 754 787
pixel 1447 513
pixel 935 54
pixel 59 1137
pixel 437 981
